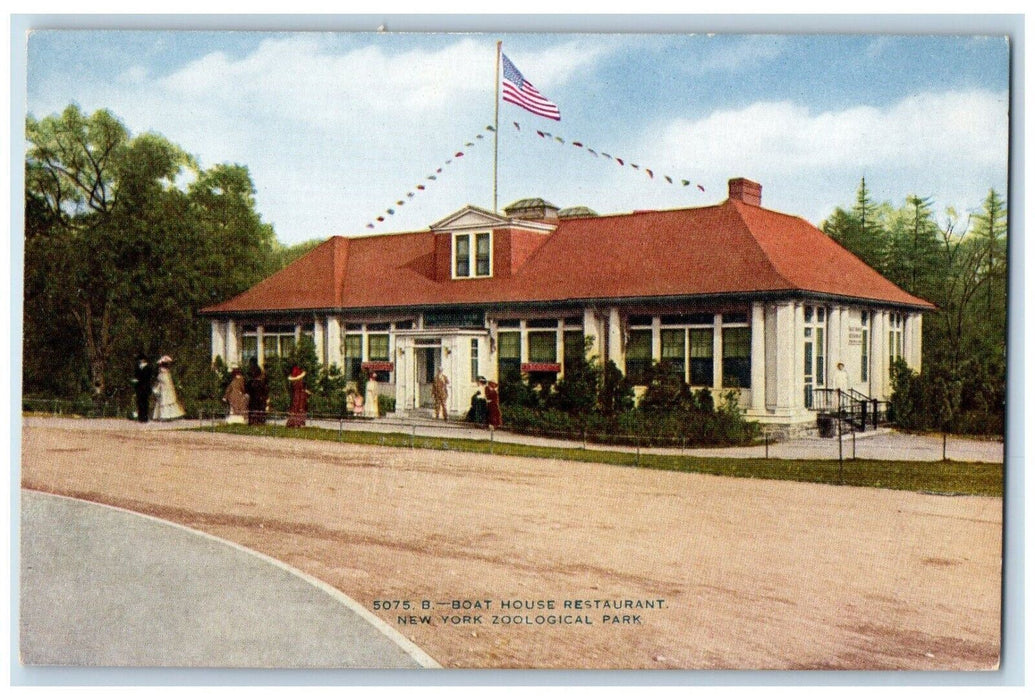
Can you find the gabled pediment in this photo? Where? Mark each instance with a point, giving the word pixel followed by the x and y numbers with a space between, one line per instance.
pixel 470 217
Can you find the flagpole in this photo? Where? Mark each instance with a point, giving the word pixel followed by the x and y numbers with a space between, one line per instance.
pixel 496 133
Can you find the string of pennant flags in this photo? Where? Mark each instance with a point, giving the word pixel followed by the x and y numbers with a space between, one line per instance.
pixel 430 179
pixel 622 162
pixel 440 171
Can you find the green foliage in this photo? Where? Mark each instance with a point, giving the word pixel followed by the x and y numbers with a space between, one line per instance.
pixel 616 391
pixel 666 391
pixel 577 392
pixel 596 404
pixel 938 400
pixel 119 256
pixel 688 428
pixel 960 266
pixel 516 391
pixel 385 404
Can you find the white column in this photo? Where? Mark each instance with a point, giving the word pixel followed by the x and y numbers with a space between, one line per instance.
pixel 879 356
pixel 717 356
pixel 524 341
pixel 233 353
pixel 655 339
pixel 835 341
pixel 335 352
pixel 797 384
pixel 260 345
pixel 786 357
pixel 757 357
pixel 318 341
pixel 591 329
pixel 614 339
pixel 218 340
pixel 403 373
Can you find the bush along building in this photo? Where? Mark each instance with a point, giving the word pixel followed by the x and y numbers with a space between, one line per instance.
pixel 732 296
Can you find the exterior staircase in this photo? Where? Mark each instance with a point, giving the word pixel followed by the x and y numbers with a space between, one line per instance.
pixel 852 408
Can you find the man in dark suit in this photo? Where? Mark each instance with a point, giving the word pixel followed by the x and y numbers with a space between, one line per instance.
pixel 143 377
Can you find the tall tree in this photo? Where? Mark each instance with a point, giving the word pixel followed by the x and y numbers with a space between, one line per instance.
pixel 860 230
pixel 122 254
pixel 990 230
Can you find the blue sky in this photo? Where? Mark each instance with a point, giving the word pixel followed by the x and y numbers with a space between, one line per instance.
pixel 335 128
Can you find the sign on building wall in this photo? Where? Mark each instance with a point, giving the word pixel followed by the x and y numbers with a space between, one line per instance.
pixel 454 318
pixel 855 335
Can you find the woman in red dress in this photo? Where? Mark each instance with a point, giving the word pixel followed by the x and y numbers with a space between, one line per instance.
pixel 299 399
pixel 492 397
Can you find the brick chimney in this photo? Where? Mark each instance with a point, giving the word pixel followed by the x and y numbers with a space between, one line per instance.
pixel 746 191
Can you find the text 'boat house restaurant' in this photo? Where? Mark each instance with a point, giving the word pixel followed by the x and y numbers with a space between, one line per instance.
pixel 733 295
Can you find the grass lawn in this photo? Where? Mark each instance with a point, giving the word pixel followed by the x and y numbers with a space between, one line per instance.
pixel 957 478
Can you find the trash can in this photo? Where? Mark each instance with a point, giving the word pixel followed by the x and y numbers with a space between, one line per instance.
pixel 826 426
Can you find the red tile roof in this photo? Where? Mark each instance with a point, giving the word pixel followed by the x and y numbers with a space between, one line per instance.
pixel 728 248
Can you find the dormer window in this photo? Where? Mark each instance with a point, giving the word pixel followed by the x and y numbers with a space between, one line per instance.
pixel 472 255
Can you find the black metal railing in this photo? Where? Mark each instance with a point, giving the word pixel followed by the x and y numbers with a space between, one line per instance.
pixel 850 406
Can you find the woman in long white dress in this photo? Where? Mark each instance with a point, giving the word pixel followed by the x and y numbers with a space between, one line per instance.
pixel 167 405
pixel 370 408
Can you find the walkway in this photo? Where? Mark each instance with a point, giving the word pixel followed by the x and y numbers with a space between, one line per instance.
pixel 91 577
pixel 880 444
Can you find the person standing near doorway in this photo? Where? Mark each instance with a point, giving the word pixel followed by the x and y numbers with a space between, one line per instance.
pixel 440 393
pixel 370 407
pixel 492 398
pixel 842 385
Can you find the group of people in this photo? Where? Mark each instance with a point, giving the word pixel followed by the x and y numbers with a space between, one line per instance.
pixel 149 381
pixel 247 396
pixel 248 399
pixel 485 410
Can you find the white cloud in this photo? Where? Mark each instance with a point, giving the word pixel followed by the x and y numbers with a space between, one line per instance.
pixel 951 145
pixel 742 53
pixel 333 137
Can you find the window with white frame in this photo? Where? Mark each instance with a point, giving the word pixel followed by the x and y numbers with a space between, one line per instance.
pixel 896 323
pixel 472 255
pixel 278 341
pixel 249 344
pixel 865 349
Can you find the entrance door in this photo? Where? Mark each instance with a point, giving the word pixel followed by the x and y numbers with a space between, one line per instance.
pixel 815 363
pixel 428 361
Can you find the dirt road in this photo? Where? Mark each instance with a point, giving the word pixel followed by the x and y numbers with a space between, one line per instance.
pixel 567 565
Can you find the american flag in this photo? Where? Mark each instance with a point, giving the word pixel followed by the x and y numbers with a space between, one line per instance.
pixel 519 91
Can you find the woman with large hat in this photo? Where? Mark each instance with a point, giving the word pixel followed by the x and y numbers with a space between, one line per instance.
pixel 167 405
pixel 299 398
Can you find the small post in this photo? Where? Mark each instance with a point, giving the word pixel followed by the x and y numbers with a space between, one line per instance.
pixel 341 423
pixel 413 436
pixel 840 454
pixel 853 442
pixel 765 434
pixel 945 440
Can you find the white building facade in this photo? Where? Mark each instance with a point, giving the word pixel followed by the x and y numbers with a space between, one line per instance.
pixel 461 297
